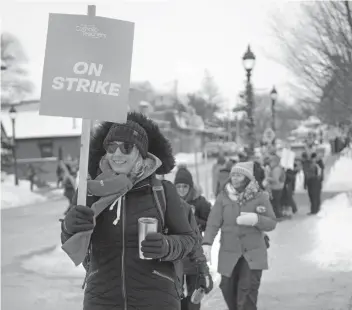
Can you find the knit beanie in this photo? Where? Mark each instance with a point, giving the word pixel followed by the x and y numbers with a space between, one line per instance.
pixel 245 168
pixel 183 176
pixel 129 132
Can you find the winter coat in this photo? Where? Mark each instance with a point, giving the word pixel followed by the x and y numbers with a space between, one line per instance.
pixel 223 177
pixel 221 164
pixel 195 263
pixel 117 278
pixel 313 170
pixel 259 174
pixel 69 189
pixel 201 208
pixel 236 240
pixel 277 178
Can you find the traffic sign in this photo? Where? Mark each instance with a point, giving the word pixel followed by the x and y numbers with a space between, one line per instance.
pixel 269 135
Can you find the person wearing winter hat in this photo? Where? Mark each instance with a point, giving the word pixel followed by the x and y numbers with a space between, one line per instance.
pixel 223 177
pixel 188 191
pixel 243 213
pixel 123 162
pixel 195 272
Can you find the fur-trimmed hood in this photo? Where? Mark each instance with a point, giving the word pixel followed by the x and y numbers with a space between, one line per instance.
pixel 159 146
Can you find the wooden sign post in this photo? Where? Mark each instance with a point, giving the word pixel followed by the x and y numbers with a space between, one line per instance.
pixel 84 149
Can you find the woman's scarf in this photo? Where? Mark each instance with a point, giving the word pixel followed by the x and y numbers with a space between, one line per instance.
pixel 110 187
pixel 249 193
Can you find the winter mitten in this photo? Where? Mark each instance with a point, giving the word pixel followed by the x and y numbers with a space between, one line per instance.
pixel 265 183
pixel 155 245
pixel 247 219
pixel 205 281
pixel 77 219
pixel 207 252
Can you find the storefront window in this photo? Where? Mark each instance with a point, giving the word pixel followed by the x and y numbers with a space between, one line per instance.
pixel 46 148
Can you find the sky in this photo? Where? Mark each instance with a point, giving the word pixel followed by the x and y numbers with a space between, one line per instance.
pixel 174 40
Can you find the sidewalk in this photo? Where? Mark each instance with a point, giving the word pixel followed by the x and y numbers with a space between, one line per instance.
pixel 309 269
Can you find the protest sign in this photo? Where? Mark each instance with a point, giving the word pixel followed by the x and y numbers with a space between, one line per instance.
pixel 86 74
pixel 87 67
pixel 287 159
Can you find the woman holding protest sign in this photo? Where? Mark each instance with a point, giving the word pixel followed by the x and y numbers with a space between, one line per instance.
pixel 125 271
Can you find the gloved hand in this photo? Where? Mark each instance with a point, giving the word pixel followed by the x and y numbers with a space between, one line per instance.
pixel 155 245
pixel 247 219
pixel 205 281
pixel 77 219
pixel 207 252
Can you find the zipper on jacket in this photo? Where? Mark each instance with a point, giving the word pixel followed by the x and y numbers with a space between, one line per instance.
pixel 163 276
pixel 123 254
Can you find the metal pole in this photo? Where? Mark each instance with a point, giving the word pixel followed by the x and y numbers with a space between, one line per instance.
pixel 14 151
pixel 196 157
pixel 273 120
pixel 250 112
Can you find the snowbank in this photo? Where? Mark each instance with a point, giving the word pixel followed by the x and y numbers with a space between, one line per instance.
pixel 332 245
pixel 340 176
pixel 16 196
pixel 54 263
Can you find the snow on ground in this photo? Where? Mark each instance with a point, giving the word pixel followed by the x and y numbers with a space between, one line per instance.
pixel 332 245
pixel 15 196
pixel 55 263
pixel 340 177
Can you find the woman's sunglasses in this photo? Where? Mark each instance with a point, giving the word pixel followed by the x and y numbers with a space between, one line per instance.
pixel 125 147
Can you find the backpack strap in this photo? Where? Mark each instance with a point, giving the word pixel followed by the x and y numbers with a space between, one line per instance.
pixel 160 200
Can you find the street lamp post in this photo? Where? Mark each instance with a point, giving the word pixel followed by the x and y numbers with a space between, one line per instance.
pixel 13 114
pixel 273 96
pixel 248 64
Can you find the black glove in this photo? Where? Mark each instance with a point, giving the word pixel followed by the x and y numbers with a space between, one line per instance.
pixel 155 245
pixel 78 218
pixel 205 281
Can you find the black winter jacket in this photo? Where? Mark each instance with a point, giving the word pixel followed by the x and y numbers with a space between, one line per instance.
pixel 117 278
pixel 202 208
pixel 195 263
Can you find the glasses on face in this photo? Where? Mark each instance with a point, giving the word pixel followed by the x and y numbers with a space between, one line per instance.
pixel 125 147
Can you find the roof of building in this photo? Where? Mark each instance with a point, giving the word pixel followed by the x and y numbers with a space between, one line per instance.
pixel 29 125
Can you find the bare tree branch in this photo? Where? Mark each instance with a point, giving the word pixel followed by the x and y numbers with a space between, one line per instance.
pixel 317 50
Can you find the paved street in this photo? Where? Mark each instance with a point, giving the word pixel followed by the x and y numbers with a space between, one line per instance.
pixel 27 231
pixel 297 279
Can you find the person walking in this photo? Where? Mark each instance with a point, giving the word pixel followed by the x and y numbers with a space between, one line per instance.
pixel 60 173
pixel 220 164
pixel 243 213
pixel 275 182
pixel 69 184
pixel 288 200
pixel 314 176
pixel 187 191
pixel 193 272
pixel 103 235
pixel 223 177
pixel 32 176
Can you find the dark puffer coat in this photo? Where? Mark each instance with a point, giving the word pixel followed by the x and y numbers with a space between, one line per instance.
pixel 195 263
pixel 202 208
pixel 117 278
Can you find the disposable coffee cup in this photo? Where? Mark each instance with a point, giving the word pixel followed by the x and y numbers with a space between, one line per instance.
pixel 146 225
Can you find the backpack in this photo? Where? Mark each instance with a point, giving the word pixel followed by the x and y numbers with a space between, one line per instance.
pixel 161 204
pixel 160 201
